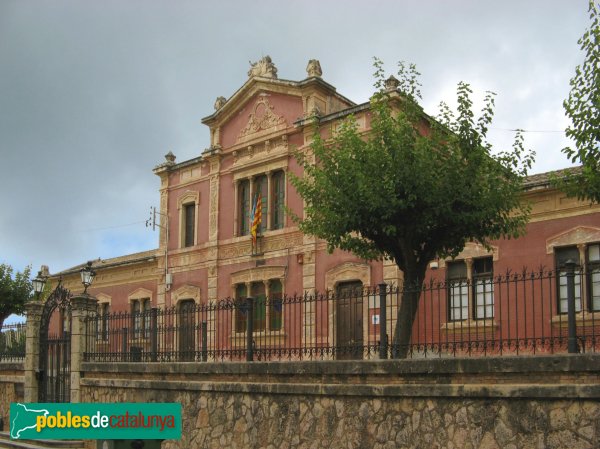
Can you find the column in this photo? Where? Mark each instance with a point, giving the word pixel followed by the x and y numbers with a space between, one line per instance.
pixel 82 307
pixel 236 208
pixel 33 310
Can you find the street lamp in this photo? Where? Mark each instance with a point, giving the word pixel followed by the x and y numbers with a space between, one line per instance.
pixel 87 276
pixel 38 284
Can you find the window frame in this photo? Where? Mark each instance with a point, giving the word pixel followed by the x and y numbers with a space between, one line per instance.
pixel 453 282
pixel 561 278
pixel 483 277
pixel 189 225
pixel 104 312
pixel 593 285
pixel 278 200
pixel 267 310
pixel 140 318
pixel 243 207
pixel 469 289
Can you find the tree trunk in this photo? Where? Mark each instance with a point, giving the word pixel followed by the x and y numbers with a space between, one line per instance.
pixel 407 312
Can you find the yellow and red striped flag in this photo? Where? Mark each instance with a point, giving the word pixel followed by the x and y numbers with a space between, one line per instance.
pixel 256 216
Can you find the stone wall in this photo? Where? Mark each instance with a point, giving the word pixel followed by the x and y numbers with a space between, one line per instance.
pixel 11 387
pixel 508 403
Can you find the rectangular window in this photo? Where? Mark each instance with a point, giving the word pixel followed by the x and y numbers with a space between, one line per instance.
pixel 146 317
pixel 483 288
pixel 262 190
pixel 458 293
pixel 190 222
pixel 278 192
pixel 241 310
pixel 562 256
pixel 593 270
pixel 244 207
pixel 104 311
pixel 259 306
pixel 140 317
pixel 136 318
pixel 275 305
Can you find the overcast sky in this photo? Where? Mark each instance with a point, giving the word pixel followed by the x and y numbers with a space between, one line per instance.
pixel 93 94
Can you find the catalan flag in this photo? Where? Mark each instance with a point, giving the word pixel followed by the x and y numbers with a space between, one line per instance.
pixel 256 216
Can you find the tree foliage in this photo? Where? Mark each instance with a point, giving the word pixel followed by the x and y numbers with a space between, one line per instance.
pixel 583 108
pixel 413 188
pixel 15 290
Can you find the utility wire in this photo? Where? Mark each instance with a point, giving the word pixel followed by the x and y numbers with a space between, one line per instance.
pixel 113 227
pixel 529 130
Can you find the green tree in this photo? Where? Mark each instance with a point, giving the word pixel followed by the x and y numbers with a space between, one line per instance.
pixel 583 108
pixel 15 290
pixel 413 188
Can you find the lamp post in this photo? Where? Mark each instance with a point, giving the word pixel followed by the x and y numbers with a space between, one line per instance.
pixel 87 276
pixel 38 284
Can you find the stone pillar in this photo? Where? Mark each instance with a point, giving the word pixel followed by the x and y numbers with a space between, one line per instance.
pixel 236 202
pixel 33 309
pixel 82 306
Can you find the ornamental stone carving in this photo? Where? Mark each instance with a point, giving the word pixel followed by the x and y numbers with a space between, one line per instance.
pixel 314 68
pixel 186 292
pixel 220 102
pixel 574 236
pixel 258 274
pixel 262 118
pixel 391 84
pixel 264 67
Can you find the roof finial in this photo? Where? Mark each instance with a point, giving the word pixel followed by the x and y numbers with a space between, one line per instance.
pixel 314 68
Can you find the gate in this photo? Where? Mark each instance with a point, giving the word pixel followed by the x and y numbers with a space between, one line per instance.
pixel 54 377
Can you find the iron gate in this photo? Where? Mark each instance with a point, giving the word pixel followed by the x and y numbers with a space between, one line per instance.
pixel 54 376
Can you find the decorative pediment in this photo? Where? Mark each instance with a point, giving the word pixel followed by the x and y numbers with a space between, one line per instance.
pixel 474 250
pixel 348 271
pixel 140 293
pixel 262 118
pixel 103 298
pixel 186 292
pixel 574 236
pixel 258 274
pixel 190 196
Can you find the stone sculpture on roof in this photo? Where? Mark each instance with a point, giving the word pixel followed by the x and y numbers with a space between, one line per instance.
pixel 220 102
pixel 314 68
pixel 264 67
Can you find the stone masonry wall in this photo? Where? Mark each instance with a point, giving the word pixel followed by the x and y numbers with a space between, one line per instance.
pixel 474 404
pixel 11 388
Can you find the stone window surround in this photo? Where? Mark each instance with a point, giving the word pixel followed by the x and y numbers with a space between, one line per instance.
pixel 580 237
pixel 251 174
pixel 472 250
pixel 104 305
pixel 185 292
pixel 141 296
pixel 470 287
pixel 265 275
pixel 189 197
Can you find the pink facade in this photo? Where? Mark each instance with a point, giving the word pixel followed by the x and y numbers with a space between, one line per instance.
pixel 209 254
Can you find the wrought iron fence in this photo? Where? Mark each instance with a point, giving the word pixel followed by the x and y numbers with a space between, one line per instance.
pixel 522 313
pixel 12 342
